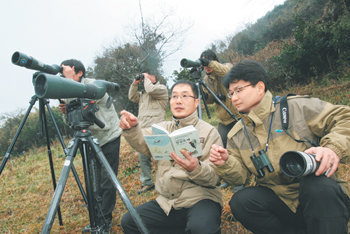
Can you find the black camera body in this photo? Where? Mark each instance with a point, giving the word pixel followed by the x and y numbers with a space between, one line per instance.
pixel 139 76
pixel 260 162
pixel 81 114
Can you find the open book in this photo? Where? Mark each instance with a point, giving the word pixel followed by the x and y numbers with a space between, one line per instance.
pixel 162 143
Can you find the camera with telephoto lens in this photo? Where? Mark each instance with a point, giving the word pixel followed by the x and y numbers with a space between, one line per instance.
pixel 139 76
pixel 297 163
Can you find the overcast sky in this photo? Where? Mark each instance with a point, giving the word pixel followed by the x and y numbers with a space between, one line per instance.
pixel 54 30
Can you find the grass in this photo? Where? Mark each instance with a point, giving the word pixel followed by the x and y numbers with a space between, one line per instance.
pixel 26 188
pixel 26 193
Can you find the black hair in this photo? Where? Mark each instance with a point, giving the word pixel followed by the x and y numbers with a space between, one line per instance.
pixel 190 83
pixel 78 66
pixel 248 70
pixel 209 54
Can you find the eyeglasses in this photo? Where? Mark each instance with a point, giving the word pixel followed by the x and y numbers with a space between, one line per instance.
pixel 237 91
pixel 175 97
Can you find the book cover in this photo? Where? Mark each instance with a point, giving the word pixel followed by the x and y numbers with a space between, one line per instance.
pixel 156 129
pixel 161 144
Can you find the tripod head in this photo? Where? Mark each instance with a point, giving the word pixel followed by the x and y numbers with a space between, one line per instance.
pixel 81 114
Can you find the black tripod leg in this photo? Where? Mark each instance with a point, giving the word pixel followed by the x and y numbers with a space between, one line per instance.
pixel 204 101
pixel 137 219
pixel 219 101
pixel 60 138
pixel 9 150
pixel 60 187
pixel 199 109
pixel 90 182
pixel 49 152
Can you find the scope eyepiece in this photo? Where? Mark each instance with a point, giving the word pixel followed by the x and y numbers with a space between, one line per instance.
pixel 29 62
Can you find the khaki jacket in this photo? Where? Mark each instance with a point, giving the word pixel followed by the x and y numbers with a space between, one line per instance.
pixel 108 116
pixel 177 187
pixel 214 82
pixel 152 102
pixel 308 117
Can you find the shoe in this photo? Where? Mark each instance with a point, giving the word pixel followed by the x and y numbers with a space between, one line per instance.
pixel 104 229
pixel 87 228
pixel 145 188
pixel 107 226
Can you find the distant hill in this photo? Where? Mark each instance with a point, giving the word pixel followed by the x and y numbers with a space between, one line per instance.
pixel 298 42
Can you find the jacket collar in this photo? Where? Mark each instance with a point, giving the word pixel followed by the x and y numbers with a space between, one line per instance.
pixel 192 119
pixel 263 109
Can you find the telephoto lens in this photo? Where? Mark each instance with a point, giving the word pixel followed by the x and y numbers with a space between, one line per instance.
pixel 297 163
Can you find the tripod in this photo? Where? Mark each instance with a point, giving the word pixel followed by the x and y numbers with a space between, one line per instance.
pixel 196 74
pixel 44 128
pixel 84 139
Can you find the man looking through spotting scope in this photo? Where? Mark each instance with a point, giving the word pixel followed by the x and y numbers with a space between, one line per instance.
pixel 152 101
pixel 108 138
pixel 316 203
pixel 189 200
pixel 215 72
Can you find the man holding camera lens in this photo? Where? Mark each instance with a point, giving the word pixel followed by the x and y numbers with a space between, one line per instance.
pixel 108 138
pixel 316 203
pixel 189 200
pixel 152 101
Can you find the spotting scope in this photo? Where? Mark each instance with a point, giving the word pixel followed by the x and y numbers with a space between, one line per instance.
pixel 189 63
pixel 56 87
pixel 29 62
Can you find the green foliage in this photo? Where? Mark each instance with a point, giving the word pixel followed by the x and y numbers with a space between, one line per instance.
pixel 318 48
pixel 131 170
pixel 32 134
pixel 184 74
pixel 120 65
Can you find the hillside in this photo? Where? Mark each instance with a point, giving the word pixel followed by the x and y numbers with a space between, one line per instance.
pixel 26 193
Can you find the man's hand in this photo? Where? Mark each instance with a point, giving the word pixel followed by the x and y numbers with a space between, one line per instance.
pixel 62 106
pixel 127 120
pixel 189 163
pixel 218 155
pixel 136 82
pixel 328 159
pixel 204 61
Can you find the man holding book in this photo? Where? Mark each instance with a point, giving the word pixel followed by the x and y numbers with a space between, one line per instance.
pixel 152 101
pixel 189 199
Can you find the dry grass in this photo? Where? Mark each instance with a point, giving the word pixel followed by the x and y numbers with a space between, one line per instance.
pixel 26 193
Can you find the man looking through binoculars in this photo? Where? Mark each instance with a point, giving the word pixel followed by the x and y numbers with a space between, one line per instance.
pixel 152 101
pixel 108 137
